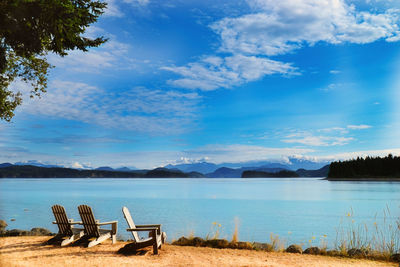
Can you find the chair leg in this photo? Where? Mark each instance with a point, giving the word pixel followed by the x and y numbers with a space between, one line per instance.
pixel 155 248
pixel 114 239
pixel 163 237
pixel 155 243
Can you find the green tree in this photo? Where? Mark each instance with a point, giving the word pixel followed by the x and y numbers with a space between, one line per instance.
pixel 29 30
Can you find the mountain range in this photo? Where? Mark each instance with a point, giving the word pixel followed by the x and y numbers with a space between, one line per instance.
pixel 304 168
pixel 291 164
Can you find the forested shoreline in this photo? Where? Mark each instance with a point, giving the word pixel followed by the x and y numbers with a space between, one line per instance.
pixel 365 168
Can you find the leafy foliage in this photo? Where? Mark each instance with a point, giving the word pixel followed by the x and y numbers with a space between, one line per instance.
pixel 29 29
pixel 368 167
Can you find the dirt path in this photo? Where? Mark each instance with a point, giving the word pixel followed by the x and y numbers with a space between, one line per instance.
pixel 28 251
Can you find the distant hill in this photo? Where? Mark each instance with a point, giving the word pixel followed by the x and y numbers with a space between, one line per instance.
pixel 292 163
pixel 237 173
pixel 202 167
pixel 323 172
pixel 37 164
pixel 262 174
pixel 28 171
pixel 225 172
pixel 104 169
pixel 2 165
pixel 124 169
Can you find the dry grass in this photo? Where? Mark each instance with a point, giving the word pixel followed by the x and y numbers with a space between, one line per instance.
pixel 379 240
pixel 28 251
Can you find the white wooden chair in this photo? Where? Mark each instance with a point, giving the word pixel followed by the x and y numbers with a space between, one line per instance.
pixel 67 233
pixel 92 227
pixel 156 237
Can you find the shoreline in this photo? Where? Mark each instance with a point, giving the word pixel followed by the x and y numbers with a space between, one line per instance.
pixel 28 251
pixel 370 179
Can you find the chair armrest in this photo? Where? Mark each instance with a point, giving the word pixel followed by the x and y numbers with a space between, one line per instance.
pixel 151 225
pixel 114 226
pixel 78 222
pixel 141 229
pixel 104 223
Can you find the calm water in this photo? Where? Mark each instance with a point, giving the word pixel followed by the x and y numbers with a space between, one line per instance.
pixel 295 209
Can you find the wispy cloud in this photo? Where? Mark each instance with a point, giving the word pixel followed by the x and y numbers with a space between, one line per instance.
pixel 334 71
pixel 112 54
pixel 277 28
pixel 137 2
pixel 138 109
pixel 359 127
pixel 214 72
pixel 317 140
pixel 113 9
pixel 242 153
pixel 333 136
pixel 280 27
pixel 361 153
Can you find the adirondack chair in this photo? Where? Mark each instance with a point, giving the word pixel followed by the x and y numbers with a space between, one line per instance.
pixel 156 237
pixel 66 230
pixel 92 227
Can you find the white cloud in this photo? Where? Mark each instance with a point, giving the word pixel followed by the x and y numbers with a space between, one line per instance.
pixel 362 153
pixel 313 140
pixel 113 9
pixel 334 71
pixel 112 54
pixel 138 2
pixel 359 127
pixel 138 109
pixel 77 165
pixel 241 153
pixel 214 72
pixel 278 28
pixel 333 136
pixel 334 129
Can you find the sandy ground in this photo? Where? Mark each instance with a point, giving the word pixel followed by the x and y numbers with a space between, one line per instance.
pixel 28 251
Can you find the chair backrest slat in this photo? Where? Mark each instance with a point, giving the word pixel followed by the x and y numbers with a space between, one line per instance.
pixel 130 222
pixel 88 220
pixel 64 226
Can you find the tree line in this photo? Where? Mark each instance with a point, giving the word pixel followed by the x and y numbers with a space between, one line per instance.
pixel 369 167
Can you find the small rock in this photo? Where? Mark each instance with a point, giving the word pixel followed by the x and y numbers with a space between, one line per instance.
pixel 183 241
pixel 241 245
pixel 217 243
pixel 26 210
pixel 197 242
pixel 263 246
pixel 333 253
pixel 13 220
pixel 356 252
pixel 312 250
pixel 294 249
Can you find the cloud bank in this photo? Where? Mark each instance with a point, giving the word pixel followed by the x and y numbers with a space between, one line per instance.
pixel 278 28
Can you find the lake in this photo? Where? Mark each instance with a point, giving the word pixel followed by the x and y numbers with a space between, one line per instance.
pixel 296 209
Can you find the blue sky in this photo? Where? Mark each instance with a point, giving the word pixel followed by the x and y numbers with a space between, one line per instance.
pixel 221 81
